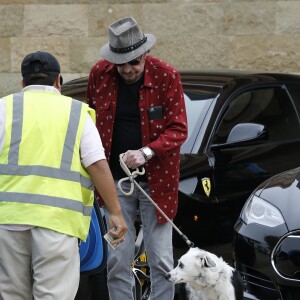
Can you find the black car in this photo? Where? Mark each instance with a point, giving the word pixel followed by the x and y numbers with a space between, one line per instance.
pixel 243 128
pixel 267 239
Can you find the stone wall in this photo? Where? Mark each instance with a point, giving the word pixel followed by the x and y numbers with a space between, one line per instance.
pixel 191 34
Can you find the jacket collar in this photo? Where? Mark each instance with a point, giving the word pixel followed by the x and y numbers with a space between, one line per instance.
pixel 41 88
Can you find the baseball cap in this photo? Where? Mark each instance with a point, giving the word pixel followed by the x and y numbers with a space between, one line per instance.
pixel 39 62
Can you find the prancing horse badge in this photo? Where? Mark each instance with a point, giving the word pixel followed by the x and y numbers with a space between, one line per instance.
pixel 206 185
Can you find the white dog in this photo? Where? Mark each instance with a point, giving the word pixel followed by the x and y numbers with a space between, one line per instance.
pixel 207 277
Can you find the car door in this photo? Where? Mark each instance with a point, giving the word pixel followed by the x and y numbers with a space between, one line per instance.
pixel 239 166
pixel 199 107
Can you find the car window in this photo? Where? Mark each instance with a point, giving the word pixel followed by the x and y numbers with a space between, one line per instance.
pixel 193 110
pixel 271 107
pixel 294 91
pixel 196 108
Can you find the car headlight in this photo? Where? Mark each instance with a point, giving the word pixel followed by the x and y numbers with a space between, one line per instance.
pixel 257 210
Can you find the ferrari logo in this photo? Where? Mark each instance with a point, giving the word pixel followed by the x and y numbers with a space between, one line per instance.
pixel 206 185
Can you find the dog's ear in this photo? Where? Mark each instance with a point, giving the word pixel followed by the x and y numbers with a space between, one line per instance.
pixel 208 262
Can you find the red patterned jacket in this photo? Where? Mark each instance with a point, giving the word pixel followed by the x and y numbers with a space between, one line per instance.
pixel 161 87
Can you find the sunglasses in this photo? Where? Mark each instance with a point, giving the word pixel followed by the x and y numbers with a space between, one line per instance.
pixel 133 62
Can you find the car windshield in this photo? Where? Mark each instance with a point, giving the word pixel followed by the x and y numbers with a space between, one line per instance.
pixel 196 109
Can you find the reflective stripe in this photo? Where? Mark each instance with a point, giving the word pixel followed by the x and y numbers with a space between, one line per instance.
pixel 57 166
pixel 66 160
pixel 47 200
pixel 65 172
pixel 46 172
pixel 16 133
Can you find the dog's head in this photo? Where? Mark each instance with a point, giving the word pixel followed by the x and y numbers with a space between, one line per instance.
pixel 192 265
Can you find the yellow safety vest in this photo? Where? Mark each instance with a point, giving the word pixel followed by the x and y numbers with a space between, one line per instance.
pixel 42 181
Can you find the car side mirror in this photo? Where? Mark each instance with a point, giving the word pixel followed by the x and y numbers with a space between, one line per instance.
pixel 247 132
pixel 242 133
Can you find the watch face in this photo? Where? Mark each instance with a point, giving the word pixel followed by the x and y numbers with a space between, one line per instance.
pixel 147 152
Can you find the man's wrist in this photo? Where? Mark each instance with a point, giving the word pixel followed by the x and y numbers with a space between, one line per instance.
pixel 147 152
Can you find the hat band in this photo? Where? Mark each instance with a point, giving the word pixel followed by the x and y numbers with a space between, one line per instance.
pixel 130 48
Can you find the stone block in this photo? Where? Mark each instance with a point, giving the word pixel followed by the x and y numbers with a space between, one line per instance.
pixel 127 1
pixel 58 46
pixel 271 53
pixel 287 17
pixel 44 1
pixel 9 83
pixel 49 20
pixel 203 52
pixel 70 76
pixel 184 19
pixel 102 15
pixel 11 21
pixel 5 55
pixel 84 53
pixel 249 18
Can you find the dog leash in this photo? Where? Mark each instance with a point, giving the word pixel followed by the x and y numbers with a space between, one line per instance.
pixel 133 183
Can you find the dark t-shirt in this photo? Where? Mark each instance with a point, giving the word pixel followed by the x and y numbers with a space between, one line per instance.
pixel 127 127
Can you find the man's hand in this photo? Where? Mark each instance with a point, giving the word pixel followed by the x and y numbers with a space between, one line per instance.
pixel 103 180
pixel 118 228
pixel 133 159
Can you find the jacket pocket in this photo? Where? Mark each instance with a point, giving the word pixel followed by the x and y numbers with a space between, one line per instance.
pixel 103 111
pixel 156 127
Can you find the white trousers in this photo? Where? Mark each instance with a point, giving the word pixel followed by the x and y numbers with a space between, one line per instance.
pixel 38 264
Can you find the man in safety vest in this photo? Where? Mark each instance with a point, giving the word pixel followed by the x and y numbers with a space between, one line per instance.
pixel 51 156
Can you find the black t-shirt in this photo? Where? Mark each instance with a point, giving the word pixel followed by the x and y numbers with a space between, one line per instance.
pixel 127 126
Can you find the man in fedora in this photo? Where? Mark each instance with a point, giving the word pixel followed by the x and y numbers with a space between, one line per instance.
pixel 141 115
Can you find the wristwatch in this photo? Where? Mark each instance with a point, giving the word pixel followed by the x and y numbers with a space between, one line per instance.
pixel 147 153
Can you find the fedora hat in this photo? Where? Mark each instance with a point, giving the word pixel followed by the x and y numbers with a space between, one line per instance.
pixel 126 42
